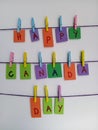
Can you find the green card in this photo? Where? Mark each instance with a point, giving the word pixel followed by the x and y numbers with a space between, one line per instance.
pixel 47 106
pixel 74 33
pixel 59 106
pixel 25 72
pixel 54 72
pixel 11 71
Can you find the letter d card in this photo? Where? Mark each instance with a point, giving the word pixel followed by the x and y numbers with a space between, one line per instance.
pixel 35 108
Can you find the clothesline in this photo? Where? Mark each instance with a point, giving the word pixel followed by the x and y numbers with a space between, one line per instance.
pixel 27 28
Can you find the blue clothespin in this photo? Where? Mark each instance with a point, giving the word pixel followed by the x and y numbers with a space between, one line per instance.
pixel 33 25
pixel 69 58
pixel 60 23
pixel 40 59
pixel 19 25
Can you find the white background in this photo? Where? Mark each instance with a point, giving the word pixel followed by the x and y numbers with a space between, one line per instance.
pixel 79 113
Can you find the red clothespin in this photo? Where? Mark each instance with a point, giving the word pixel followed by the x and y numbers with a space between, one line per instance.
pixel 59 93
pixel 75 22
pixel 11 58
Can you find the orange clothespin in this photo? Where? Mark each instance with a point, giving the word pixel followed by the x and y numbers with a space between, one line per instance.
pixel 11 58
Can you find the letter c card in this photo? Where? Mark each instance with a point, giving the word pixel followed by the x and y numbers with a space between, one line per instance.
pixel 11 71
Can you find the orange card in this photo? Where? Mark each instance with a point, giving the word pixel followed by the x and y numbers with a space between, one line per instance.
pixel 35 108
pixel 69 72
pixel 19 36
pixel 48 38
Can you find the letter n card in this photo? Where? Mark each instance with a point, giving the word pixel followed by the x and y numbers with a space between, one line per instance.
pixel 35 108
pixel 48 38
pixel 69 72
pixel 19 36
pixel 41 72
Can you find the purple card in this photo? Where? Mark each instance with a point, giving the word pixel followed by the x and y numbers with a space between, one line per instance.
pixel 61 36
pixel 83 70
pixel 40 72
pixel 34 35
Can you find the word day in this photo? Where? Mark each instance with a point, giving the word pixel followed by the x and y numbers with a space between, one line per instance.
pixel 60 33
pixel 35 103
pixel 49 70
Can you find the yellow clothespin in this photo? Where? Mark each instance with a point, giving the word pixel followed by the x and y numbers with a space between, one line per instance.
pixel 83 57
pixel 25 59
pixel 53 59
pixel 35 92
pixel 46 93
pixel 46 23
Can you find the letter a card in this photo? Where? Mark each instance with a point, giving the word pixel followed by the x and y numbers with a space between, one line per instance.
pixel 11 71
pixel 69 72
pixel 35 108
pixel 55 72
pixel 25 72
pixel 34 35
pixel 48 38
pixel 83 70
pixel 47 106
pixel 19 36
pixel 40 72
pixel 59 106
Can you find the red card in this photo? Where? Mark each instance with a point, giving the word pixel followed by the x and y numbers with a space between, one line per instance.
pixel 19 36
pixel 69 72
pixel 35 108
pixel 48 38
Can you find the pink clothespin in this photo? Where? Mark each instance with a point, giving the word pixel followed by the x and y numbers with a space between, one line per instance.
pixel 75 22
pixel 59 93
pixel 11 58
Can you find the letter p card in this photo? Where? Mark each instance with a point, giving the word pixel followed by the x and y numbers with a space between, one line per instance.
pixel 48 38
pixel 35 108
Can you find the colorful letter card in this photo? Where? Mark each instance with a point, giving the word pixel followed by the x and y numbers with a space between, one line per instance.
pixel 83 70
pixel 74 33
pixel 61 36
pixel 35 108
pixel 47 106
pixel 59 106
pixel 69 72
pixel 40 72
pixel 19 36
pixel 54 72
pixel 11 71
pixel 34 35
pixel 25 72
pixel 48 38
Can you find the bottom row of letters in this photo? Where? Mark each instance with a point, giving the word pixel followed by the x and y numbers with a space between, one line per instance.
pixel 35 106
